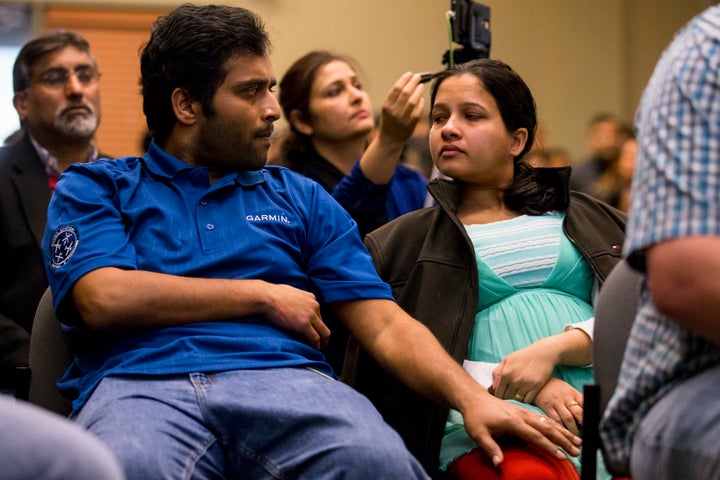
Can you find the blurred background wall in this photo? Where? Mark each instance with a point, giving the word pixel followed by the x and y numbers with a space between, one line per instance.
pixel 580 57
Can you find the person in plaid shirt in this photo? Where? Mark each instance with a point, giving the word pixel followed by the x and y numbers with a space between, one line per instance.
pixel 662 421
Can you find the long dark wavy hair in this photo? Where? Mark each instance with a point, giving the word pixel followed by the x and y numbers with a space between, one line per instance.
pixel 533 191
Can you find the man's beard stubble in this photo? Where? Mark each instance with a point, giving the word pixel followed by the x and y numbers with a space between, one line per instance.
pixel 77 126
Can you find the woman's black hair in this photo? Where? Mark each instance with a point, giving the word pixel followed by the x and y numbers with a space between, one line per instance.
pixel 533 191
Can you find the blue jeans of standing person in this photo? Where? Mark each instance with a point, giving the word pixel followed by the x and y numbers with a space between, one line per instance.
pixel 288 423
pixel 680 435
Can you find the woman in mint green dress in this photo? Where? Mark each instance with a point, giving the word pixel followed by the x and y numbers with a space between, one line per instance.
pixel 503 271
pixel 535 284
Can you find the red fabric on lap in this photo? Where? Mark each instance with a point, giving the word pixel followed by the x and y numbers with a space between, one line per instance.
pixel 522 462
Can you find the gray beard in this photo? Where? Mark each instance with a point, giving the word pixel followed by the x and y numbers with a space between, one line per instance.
pixel 77 126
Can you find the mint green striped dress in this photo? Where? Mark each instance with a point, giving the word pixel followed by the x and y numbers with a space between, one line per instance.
pixel 533 282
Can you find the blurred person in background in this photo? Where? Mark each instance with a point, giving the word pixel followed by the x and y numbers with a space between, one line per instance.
pixel 603 140
pixel 57 99
pixel 331 116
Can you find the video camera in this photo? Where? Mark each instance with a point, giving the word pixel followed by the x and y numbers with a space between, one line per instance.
pixel 469 22
pixel 471 29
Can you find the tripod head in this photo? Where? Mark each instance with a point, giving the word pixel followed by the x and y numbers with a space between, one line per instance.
pixel 470 24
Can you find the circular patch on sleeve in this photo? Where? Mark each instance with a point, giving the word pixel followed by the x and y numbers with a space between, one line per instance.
pixel 63 245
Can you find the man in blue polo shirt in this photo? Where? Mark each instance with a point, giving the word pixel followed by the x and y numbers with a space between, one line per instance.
pixel 189 281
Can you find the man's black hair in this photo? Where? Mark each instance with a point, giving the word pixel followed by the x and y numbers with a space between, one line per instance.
pixel 189 49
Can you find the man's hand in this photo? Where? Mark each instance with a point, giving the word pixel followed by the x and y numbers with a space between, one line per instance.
pixel 160 300
pixel 297 311
pixel 491 417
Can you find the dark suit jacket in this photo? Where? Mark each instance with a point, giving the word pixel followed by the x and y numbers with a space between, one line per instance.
pixel 24 198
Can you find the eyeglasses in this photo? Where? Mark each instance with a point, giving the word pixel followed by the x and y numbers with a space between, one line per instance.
pixel 57 77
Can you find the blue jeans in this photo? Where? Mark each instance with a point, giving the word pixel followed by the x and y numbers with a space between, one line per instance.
pixel 680 435
pixel 246 424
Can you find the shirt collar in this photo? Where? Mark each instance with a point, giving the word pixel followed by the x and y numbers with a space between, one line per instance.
pixel 50 163
pixel 161 163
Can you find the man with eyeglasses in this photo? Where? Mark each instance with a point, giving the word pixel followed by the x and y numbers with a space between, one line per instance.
pixel 57 98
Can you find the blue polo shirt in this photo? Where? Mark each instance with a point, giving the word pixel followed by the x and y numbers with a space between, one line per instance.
pixel 157 213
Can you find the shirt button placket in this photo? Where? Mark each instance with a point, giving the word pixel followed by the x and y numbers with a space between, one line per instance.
pixel 206 225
